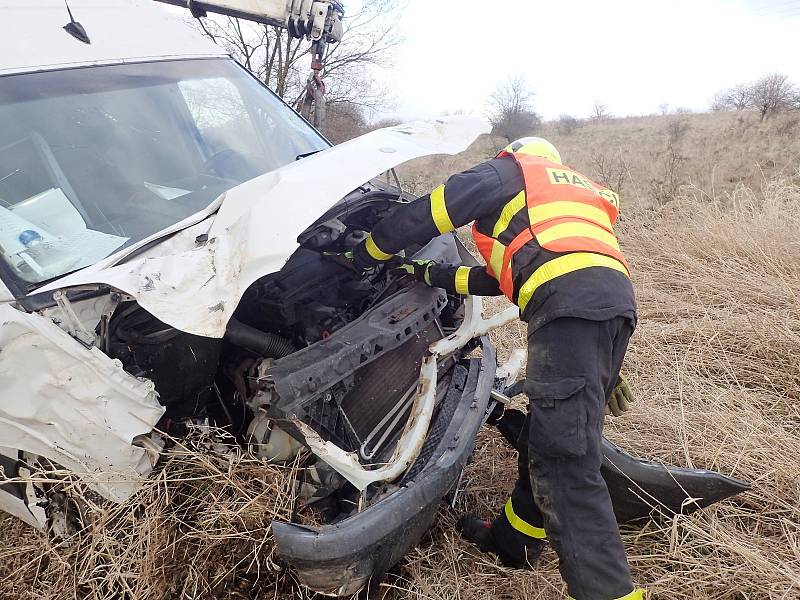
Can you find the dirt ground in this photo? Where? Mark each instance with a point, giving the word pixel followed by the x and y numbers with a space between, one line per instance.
pixel 711 207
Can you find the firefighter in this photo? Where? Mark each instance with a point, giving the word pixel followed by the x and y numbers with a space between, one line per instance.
pixel 547 235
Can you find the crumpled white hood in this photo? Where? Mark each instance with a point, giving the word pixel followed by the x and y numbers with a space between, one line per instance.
pixel 195 287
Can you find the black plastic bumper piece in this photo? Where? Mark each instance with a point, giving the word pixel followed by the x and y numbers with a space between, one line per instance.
pixel 643 488
pixel 342 558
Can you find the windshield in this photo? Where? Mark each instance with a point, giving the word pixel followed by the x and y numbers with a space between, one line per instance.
pixel 94 159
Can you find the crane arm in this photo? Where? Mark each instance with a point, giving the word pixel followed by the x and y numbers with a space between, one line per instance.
pixel 319 21
pixel 316 20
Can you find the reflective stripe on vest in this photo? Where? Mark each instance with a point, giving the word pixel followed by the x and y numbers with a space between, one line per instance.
pixel 541 213
pixel 512 207
pixel 567 214
pixel 570 229
pixel 562 265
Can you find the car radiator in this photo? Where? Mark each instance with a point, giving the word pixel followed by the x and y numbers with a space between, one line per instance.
pixel 357 387
pixel 379 404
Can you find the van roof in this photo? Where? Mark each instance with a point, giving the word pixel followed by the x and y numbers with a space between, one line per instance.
pixel 32 37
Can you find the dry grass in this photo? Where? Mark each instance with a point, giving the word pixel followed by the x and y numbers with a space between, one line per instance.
pixel 716 366
pixel 715 363
pixel 200 528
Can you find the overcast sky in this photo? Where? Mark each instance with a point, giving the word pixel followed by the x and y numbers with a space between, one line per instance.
pixel 630 54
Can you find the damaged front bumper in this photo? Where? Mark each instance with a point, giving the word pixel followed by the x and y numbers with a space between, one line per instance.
pixel 343 557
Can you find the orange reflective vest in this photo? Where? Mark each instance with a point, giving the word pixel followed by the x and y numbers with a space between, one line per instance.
pixel 567 213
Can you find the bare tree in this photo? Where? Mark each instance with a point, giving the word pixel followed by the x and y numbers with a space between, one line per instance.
pixel 738 97
pixel 567 124
pixel 772 94
pixel 266 51
pixel 769 95
pixel 600 111
pixel 511 109
pixel 611 170
pixel 663 108
pixel 344 122
pixel 370 40
pixel 283 62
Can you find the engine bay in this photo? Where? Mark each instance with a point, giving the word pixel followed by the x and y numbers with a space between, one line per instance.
pixel 317 344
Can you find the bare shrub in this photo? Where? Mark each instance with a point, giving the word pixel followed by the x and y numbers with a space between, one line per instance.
pixel 677 130
pixel 772 94
pixel 738 97
pixel 511 109
pixel 600 111
pixel 345 121
pixel 670 178
pixel 567 124
pixel 670 173
pixel 610 169
pixel 788 126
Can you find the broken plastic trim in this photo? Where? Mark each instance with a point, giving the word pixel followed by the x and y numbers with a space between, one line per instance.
pixel 341 558
pixel 474 326
pixel 644 488
pixel 416 429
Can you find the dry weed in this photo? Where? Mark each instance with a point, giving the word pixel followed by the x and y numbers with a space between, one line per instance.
pixel 200 528
pixel 716 365
pixel 715 362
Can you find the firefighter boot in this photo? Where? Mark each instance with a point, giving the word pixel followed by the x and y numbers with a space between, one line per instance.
pixel 514 549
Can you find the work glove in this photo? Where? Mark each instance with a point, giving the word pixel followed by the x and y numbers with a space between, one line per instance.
pixel 420 269
pixel 344 259
pixel 621 398
pixel 341 256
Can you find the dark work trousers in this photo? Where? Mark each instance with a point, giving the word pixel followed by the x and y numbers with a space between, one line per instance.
pixel 573 365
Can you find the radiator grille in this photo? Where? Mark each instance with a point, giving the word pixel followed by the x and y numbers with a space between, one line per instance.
pixel 381 384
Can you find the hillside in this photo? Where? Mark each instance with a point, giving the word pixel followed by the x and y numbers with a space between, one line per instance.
pixel 715 362
pixel 711 210
pixel 654 157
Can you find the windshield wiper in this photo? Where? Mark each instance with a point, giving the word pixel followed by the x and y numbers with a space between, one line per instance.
pixel 299 156
pixel 32 287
